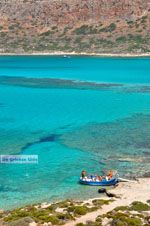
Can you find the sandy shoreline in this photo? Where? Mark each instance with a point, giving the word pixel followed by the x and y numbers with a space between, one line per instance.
pixel 65 54
pixel 128 192
pixel 125 194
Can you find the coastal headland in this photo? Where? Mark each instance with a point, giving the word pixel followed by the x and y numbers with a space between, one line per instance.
pixel 91 26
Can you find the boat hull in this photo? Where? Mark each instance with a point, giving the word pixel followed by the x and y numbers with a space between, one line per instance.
pixel 99 183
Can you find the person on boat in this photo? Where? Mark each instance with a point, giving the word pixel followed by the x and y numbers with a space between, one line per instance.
pixel 91 177
pixel 100 178
pixel 83 174
pixel 110 175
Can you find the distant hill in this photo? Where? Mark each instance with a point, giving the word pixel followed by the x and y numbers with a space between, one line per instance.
pixel 100 26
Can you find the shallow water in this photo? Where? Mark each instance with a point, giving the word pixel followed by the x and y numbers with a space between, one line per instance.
pixel 71 128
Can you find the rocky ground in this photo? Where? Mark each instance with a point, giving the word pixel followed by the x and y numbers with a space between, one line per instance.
pixel 90 26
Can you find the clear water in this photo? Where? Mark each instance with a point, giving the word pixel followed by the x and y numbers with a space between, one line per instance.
pixel 29 114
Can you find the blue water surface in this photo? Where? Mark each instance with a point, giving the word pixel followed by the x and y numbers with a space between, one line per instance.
pixel 29 114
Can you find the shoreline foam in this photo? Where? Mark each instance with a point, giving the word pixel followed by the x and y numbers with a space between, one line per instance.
pixel 65 54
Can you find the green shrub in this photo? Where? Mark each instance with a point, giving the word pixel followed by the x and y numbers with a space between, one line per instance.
pixel 3 34
pixel 80 224
pixel 99 219
pixel 64 204
pixel 53 220
pixel 121 39
pixel 78 40
pixel 120 215
pixel 38 213
pixel 47 33
pixel 122 219
pixel 110 28
pixel 81 210
pixel 85 29
pixel 115 215
pixel 82 30
pixel 122 208
pixel 54 27
pixel 12 27
pixel 143 19
pixel 15 215
pixel 139 206
pixel 10 218
pixel 130 22
pixel 64 216
pixel 138 38
pixel 118 223
pixel 43 216
pixel 100 202
pixel 133 221
pixel 51 208
pixel 78 210
pixel 91 223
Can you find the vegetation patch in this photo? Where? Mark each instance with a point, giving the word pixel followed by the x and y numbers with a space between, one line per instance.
pixel 128 221
pixel 85 29
pixel 78 210
pixel 139 206
pixel 89 223
pixel 143 19
pixel 110 28
pixel 47 33
pixel 122 208
pixel 121 39
pixel 100 202
pixel 130 22
pixel 120 216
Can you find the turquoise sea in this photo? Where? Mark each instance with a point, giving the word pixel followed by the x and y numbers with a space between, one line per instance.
pixel 74 113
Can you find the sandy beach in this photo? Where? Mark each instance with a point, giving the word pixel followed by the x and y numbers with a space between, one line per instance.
pixel 65 54
pixel 127 192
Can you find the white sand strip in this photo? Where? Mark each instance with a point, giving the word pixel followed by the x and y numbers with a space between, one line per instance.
pixel 65 54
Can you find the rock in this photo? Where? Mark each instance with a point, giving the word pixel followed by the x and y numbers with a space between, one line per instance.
pixel 26 221
pixel 32 224
pixel 45 205
pixel 47 224
pixel 106 221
